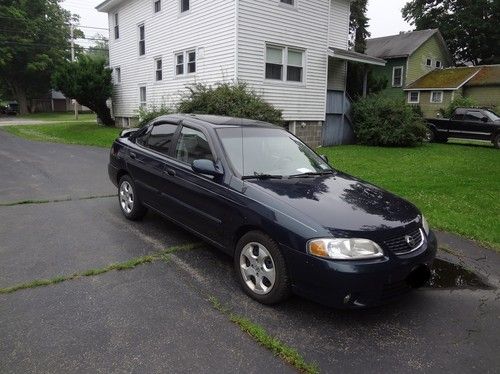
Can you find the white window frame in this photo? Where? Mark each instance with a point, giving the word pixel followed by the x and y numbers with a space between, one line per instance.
pixel 440 64
pixel 186 62
pixel 184 11
pixel 292 5
pixel 156 70
pixel 432 95
pixel 284 63
pixel 154 6
pixel 142 24
pixel 143 103
pixel 394 75
pixel 118 75
pixel 428 62
pixel 116 25
pixel 409 97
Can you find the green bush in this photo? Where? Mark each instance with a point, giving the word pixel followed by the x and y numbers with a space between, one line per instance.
pixel 147 114
pixel 458 102
pixel 386 121
pixel 234 100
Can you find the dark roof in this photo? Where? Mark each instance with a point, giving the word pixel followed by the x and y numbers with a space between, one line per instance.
pixel 454 78
pixel 401 45
pixel 355 56
pixel 218 121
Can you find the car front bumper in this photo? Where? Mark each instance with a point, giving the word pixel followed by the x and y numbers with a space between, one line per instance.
pixel 358 284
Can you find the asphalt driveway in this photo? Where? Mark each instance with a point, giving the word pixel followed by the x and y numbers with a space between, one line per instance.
pixel 158 317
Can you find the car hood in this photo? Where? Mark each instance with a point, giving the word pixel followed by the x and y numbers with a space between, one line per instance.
pixel 340 202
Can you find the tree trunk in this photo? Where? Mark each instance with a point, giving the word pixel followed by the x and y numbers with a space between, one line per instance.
pixel 104 114
pixel 22 100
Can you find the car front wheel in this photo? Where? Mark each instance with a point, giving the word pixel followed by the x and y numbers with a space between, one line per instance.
pixel 496 141
pixel 130 204
pixel 261 268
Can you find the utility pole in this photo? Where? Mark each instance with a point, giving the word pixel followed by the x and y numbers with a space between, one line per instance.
pixel 73 59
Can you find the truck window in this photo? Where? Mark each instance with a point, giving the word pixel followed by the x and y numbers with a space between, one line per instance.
pixel 473 115
pixel 457 117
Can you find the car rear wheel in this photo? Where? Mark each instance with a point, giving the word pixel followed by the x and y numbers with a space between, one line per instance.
pixel 130 204
pixel 261 268
pixel 496 141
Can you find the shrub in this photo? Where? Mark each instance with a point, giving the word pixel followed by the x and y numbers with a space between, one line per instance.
pixel 147 114
pixel 235 100
pixel 458 102
pixel 385 121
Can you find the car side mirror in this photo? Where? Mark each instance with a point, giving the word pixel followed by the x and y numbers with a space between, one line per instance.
pixel 207 167
pixel 325 158
pixel 484 119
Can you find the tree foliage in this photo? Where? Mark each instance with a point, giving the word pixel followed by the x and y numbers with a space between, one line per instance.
pixel 385 121
pixel 89 81
pixel 35 38
pixel 358 25
pixel 470 28
pixel 235 100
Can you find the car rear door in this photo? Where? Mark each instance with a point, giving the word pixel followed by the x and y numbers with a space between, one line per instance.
pixel 203 201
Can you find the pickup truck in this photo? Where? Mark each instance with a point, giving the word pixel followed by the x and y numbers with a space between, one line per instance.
pixel 465 123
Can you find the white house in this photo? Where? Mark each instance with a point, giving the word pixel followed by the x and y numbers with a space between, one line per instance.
pixel 292 52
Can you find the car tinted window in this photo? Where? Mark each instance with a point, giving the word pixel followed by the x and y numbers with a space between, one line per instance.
pixel 161 136
pixel 473 116
pixel 192 145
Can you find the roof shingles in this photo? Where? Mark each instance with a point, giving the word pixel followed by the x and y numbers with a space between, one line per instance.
pixel 450 78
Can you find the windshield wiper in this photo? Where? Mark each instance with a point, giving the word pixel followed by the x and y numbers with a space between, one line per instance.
pixel 262 176
pixel 311 174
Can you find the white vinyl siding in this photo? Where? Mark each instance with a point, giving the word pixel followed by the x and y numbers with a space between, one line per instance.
pixel 340 11
pixel 304 28
pixel 209 26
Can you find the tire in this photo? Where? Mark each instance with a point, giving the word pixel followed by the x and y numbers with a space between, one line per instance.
pixel 496 141
pixel 129 202
pixel 257 260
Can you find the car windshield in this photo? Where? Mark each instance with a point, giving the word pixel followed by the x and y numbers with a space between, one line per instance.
pixel 268 152
pixel 493 116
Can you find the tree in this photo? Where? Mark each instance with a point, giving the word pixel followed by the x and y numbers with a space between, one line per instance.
pixel 470 28
pixel 100 49
pixel 358 25
pixel 34 38
pixel 89 81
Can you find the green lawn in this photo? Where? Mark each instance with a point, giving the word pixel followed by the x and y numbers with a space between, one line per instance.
pixel 457 186
pixel 59 117
pixel 68 132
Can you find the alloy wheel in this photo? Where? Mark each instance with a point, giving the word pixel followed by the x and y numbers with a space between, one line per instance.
pixel 257 268
pixel 126 197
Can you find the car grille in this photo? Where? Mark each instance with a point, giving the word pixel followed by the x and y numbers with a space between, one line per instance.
pixel 399 244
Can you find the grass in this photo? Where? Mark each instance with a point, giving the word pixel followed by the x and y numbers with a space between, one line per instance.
pixel 260 335
pixel 30 202
pixel 59 117
pixel 68 132
pixel 127 265
pixel 457 186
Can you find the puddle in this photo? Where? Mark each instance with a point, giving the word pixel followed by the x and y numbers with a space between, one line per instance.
pixel 448 275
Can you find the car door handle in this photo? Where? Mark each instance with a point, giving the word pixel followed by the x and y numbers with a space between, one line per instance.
pixel 133 156
pixel 170 172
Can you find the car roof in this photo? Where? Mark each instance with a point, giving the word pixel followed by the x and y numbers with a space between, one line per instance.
pixel 217 121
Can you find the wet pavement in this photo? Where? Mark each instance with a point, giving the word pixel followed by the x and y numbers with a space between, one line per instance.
pixel 157 317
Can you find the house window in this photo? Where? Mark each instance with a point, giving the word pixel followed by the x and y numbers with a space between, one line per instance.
pixel 117 27
pixel 157 6
pixel 185 62
pixel 284 63
pixel 428 62
pixel 184 5
pixel 294 66
pixel 142 40
pixel 142 97
pixel 158 69
pixel 397 76
pixel 118 75
pixel 436 96
pixel 274 63
pixel 289 2
pixel 179 63
pixel 414 97
pixel 438 64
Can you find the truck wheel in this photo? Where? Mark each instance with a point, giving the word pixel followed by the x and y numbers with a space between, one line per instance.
pixel 496 141
pixel 430 136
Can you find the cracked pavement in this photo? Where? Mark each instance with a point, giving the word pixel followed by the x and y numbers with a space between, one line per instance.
pixel 157 317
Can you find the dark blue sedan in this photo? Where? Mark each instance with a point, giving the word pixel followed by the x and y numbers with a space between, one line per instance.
pixel 290 221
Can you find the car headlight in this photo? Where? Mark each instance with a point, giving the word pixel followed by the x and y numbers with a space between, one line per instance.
pixel 425 225
pixel 344 249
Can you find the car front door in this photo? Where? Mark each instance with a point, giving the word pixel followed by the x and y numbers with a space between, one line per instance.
pixel 474 126
pixel 203 200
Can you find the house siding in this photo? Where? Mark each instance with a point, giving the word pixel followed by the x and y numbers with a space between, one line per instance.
pixel 488 96
pixel 432 110
pixel 417 62
pixel 340 11
pixel 305 26
pixel 381 72
pixel 209 27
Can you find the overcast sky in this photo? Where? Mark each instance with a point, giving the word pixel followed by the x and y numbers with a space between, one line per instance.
pixel 385 16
